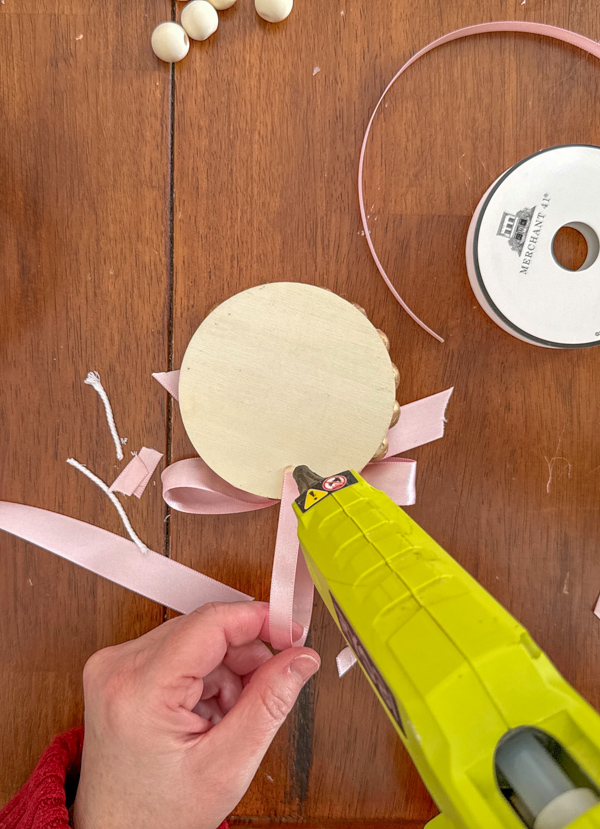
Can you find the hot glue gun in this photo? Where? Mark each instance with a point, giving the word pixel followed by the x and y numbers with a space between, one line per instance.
pixel 500 739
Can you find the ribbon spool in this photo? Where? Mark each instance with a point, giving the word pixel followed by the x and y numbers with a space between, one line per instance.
pixel 510 260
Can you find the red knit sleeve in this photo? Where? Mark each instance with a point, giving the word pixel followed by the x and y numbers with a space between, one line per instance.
pixel 44 801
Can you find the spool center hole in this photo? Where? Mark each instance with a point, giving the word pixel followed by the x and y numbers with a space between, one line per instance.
pixel 575 246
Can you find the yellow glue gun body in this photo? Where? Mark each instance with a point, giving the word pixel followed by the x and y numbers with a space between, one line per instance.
pixel 498 736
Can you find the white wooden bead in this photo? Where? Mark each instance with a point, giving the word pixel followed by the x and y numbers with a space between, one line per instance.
pixel 273 11
pixel 221 5
pixel 170 42
pixel 199 19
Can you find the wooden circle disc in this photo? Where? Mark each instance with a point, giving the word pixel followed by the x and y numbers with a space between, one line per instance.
pixel 285 374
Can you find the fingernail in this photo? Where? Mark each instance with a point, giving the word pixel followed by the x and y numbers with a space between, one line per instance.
pixel 304 666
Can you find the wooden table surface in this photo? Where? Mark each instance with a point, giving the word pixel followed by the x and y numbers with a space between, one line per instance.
pixel 134 197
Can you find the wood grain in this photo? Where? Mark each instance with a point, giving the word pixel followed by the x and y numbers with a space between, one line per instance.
pixel 262 176
pixel 84 264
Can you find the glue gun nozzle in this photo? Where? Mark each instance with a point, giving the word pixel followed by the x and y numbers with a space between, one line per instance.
pixel 305 478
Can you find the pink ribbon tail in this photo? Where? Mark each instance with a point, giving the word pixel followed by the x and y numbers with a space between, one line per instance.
pixel 292 588
pixel 192 486
pixel 169 380
pixel 420 422
pixel 344 661
pixel 116 558
pixel 134 479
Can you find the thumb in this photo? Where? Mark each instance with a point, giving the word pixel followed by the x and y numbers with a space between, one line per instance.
pixel 264 704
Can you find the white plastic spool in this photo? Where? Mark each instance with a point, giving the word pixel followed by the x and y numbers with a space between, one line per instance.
pixel 510 261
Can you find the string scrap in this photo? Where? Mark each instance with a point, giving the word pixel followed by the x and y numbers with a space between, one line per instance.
pixel 93 380
pixel 114 500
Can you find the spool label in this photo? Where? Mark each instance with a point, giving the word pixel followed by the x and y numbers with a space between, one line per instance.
pixel 522 231
pixel 514 227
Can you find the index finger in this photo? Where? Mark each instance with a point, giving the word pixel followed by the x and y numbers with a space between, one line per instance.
pixel 200 641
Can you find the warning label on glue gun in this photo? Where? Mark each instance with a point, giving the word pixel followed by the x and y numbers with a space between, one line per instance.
pixel 321 490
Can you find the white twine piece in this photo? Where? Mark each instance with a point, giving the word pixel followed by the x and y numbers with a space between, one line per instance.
pixel 117 504
pixel 93 380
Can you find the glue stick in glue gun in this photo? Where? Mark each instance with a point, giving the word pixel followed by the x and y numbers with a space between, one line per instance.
pixel 499 737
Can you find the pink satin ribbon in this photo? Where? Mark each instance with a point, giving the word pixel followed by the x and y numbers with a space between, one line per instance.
pixel 116 558
pixel 420 422
pixel 553 32
pixel 191 486
pixel 292 589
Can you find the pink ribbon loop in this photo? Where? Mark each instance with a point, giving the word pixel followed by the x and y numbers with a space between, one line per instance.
pixel 192 486
pixel 396 477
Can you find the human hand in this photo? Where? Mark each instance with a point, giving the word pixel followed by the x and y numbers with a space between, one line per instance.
pixel 178 721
